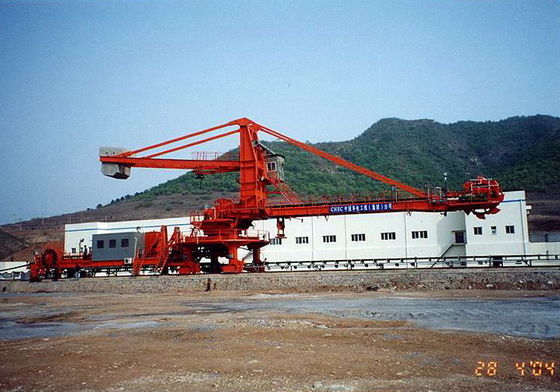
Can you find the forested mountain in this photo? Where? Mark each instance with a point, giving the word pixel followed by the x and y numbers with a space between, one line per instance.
pixel 521 152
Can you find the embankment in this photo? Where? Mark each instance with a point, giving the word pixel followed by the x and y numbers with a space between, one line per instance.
pixel 491 279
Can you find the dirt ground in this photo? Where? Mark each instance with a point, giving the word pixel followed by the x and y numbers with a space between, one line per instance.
pixel 110 342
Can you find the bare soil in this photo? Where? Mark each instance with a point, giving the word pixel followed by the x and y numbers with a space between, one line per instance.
pixel 177 342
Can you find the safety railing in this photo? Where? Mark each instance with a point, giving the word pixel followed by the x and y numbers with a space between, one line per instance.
pixel 488 261
pixel 215 156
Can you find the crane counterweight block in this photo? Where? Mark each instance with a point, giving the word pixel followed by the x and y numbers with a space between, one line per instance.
pixel 116 170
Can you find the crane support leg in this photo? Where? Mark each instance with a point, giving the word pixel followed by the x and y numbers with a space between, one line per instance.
pixel 258 264
pixel 234 266
pixel 189 266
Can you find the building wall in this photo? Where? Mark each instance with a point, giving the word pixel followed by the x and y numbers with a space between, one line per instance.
pixel 513 212
pixel 544 248
pixel 440 231
pixel 74 233
pixel 125 245
pixel 440 235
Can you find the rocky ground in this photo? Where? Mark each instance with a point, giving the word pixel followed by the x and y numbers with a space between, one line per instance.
pixel 518 278
pixel 232 341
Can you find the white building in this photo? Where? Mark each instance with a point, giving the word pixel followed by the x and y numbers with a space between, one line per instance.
pixel 369 236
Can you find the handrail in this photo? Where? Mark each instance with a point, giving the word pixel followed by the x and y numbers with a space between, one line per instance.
pixel 381 261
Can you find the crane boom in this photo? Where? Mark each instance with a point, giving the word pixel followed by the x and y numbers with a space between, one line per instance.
pixel 221 230
pixel 187 164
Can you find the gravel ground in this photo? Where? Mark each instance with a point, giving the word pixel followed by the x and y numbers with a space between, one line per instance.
pixel 414 279
pixel 252 341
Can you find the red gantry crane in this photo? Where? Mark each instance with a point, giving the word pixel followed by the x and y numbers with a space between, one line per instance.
pixel 222 229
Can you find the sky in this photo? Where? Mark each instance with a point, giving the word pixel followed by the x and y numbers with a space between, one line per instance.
pixel 79 74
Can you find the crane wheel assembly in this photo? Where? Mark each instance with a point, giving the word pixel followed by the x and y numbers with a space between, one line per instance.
pixel 48 263
pixel 220 231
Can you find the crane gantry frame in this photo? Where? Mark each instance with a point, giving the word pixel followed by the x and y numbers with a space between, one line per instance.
pixel 222 229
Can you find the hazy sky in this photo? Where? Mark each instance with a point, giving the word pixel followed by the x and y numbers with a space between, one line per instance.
pixel 75 75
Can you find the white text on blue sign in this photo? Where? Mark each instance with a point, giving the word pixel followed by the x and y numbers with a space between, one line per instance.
pixel 357 208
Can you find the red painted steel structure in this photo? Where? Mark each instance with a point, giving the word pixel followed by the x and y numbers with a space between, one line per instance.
pixel 221 230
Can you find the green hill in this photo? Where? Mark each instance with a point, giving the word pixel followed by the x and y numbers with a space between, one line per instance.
pixel 521 152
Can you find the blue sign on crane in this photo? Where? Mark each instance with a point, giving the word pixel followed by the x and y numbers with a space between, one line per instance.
pixel 357 208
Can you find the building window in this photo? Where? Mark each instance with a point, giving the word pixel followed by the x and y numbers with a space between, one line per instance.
pixel 276 241
pixel 477 230
pixel 358 237
pixel 302 240
pixel 419 234
pixel 493 229
pixel 329 238
pixel 510 229
pixel 100 244
pixel 388 236
pixel 124 243
pixel 112 243
pixel 73 250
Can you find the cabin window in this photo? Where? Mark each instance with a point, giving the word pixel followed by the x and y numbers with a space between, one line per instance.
pixel 477 230
pixel 100 244
pixel 271 166
pixel 419 234
pixel 510 229
pixel 329 238
pixel 388 236
pixel 459 237
pixel 493 229
pixel 124 243
pixel 302 240
pixel 358 237
pixel 112 243
pixel 276 241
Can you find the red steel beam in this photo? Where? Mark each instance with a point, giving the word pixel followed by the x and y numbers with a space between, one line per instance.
pixel 422 205
pixel 344 163
pixel 192 144
pixel 222 166
pixel 178 139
